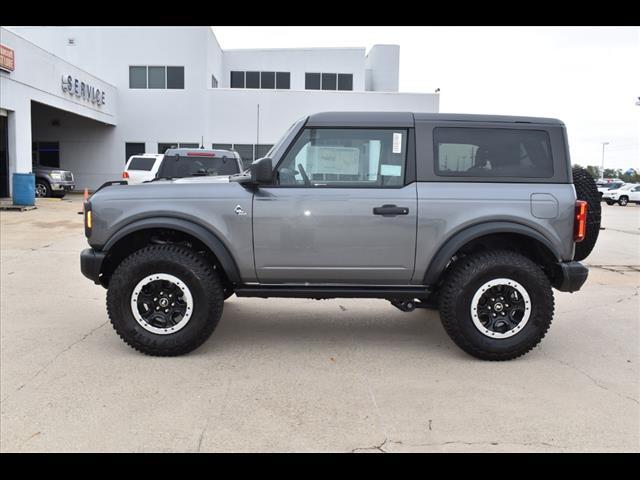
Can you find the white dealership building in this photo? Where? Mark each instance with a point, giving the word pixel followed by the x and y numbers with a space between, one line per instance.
pixel 85 98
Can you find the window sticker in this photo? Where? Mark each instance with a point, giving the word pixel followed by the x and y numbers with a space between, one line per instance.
pixel 397 143
pixel 390 170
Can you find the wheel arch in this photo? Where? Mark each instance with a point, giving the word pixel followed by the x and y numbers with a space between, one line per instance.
pixel 522 237
pixel 136 234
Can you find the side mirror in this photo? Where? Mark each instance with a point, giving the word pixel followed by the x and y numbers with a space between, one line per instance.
pixel 262 171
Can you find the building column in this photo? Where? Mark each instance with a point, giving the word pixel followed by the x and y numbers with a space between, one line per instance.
pixel 19 126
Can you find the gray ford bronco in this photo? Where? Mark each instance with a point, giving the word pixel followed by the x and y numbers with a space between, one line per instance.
pixel 477 216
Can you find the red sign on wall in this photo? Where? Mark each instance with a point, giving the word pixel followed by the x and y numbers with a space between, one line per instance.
pixel 7 58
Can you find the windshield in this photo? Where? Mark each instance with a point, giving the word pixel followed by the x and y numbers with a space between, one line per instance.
pixel 179 166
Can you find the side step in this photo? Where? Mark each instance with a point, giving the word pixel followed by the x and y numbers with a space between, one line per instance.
pixel 395 293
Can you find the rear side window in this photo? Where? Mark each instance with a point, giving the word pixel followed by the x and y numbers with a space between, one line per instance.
pixel 492 152
pixel 142 163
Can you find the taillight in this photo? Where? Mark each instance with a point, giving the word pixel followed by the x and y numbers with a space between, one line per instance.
pixel 125 175
pixel 580 221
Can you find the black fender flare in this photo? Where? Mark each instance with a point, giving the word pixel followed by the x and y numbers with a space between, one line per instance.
pixel 459 239
pixel 207 237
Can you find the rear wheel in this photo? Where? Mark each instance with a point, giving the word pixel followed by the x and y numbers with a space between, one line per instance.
pixel 165 300
pixel 496 305
pixel 587 190
pixel 622 201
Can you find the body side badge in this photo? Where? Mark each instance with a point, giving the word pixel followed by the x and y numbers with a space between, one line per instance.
pixel 239 210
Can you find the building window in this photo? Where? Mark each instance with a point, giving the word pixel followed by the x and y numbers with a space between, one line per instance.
pixel 312 81
pixel 46 154
pixel 246 153
pixel 157 77
pixel 160 77
pixel 283 80
pixel 175 78
pixel 237 79
pixel 345 81
pixel 188 145
pixel 163 147
pixel 252 80
pixel 262 150
pixel 137 77
pixel 329 81
pixel 214 81
pixel 267 79
pixel 131 148
pixel 222 146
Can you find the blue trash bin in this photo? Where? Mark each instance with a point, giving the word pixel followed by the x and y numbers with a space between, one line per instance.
pixel 24 189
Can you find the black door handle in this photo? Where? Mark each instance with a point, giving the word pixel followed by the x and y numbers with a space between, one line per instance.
pixel 390 210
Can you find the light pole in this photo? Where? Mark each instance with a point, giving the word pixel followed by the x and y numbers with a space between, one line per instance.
pixel 603 145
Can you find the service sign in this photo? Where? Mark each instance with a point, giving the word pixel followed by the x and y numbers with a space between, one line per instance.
pixel 7 59
pixel 90 93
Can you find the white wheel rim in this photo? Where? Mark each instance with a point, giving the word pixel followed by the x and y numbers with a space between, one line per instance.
pixel 476 316
pixel 186 296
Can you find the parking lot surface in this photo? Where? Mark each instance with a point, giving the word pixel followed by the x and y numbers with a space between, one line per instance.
pixel 342 375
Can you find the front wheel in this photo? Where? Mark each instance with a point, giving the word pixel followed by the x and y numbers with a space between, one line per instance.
pixel 610 202
pixel 622 201
pixel 496 305
pixel 43 189
pixel 165 300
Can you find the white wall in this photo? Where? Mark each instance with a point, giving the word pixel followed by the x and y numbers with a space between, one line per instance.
pixel 383 67
pixel 298 61
pixel 38 77
pixel 221 115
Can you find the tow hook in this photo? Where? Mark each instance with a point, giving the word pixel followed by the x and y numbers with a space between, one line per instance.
pixel 404 305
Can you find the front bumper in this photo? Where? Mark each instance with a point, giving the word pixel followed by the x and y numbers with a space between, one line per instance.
pixel 91 264
pixel 63 186
pixel 569 276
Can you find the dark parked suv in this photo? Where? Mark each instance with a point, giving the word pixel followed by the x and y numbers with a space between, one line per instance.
pixel 478 216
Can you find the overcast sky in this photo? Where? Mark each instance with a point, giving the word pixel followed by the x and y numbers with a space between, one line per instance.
pixel 589 77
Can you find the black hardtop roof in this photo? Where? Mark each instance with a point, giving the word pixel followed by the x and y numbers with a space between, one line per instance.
pixel 406 119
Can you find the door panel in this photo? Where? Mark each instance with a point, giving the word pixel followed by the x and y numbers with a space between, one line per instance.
pixel 332 236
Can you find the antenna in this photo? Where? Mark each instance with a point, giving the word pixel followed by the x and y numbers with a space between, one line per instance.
pixel 202 142
pixel 258 127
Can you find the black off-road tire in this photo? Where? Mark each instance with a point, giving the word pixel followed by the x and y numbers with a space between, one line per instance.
pixel 189 267
pixel 467 276
pixel 587 190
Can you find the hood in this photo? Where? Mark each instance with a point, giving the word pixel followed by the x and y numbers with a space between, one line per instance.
pixel 42 168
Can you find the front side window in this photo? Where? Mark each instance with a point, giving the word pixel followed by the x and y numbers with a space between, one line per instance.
pixel 492 152
pixel 356 158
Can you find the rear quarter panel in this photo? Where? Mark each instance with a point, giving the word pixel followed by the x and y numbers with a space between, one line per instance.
pixel 444 209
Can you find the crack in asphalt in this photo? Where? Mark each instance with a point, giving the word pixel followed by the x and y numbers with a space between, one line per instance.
pixel 52 361
pixel 593 379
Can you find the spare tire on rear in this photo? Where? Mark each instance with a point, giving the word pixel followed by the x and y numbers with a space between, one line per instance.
pixel 586 190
